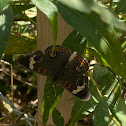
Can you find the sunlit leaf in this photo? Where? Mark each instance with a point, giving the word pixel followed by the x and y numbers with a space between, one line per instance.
pixel 50 10
pixel 52 93
pixel 124 46
pixel 101 113
pixel 98 32
pixel 20 45
pixel 112 123
pixel 89 7
pixel 121 111
pixel 3 3
pixel 117 93
pixel 18 9
pixel 80 109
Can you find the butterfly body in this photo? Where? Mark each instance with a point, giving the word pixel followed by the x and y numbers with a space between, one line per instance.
pixel 64 66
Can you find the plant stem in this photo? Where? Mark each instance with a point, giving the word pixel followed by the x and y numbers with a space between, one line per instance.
pixel 94 83
pixel 110 3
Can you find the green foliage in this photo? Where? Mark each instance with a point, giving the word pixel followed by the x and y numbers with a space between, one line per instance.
pixel 96 35
pixel 93 9
pixel 121 111
pixel 99 71
pixel 101 113
pixel 104 78
pixel 57 118
pixel 6 21
pixel 3 4
pixel 97 31
pixel 52 93
pixel 76 42
pixel 19 9
pixel 20 45
pixel 121 6
pixel 50 10
pixel 80 109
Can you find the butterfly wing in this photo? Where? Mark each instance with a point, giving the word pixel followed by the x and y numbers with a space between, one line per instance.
pixel 32 61
pixel 64 66
pixel 74 78
pixel 48 63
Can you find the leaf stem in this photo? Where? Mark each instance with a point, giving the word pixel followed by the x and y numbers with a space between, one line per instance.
pixel 114 120
pixel 94 83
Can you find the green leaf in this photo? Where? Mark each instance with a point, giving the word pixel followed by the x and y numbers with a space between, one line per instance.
pixel 121 111
pixel 92 52
pixel 121 6
pixel 104 78
pixel 97 31
pixel 6 21
pixel 94 92
pixel 3 3
pixel 99 71
pixel 124 46
pixel 18 11
pixel 52 93
pixel 75 41
pixel 80 109
pixel 57 118
pixel 89 7
pixel 101 113
pixel 19 8
pixel 20 45
pixel 117 93
pixel 107 84
pixel 50 10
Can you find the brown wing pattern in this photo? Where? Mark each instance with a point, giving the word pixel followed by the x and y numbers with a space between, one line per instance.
pixel 68 68
pixel 74 78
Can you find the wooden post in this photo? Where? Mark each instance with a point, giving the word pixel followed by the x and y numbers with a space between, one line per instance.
pixel 44 39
